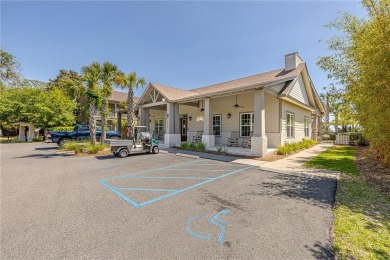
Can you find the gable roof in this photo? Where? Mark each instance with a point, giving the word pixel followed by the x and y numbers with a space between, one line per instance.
pixel 118 96
pixel 267 80
pixel 258 79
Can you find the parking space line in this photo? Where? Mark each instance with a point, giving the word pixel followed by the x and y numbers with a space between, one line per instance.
pixel 154 170
pixel 132 202
pixel 142 189
pixel 173 169
pixel 193 186
pixel 167 177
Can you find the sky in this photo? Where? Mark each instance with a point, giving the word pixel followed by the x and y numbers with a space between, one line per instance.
pixel 176 43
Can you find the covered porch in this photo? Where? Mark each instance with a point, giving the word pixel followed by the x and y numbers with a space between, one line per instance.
pixel 204 120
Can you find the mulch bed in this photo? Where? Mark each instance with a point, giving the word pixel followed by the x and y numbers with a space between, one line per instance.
pixel 372 170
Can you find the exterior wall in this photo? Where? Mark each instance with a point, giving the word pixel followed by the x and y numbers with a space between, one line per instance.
pixel 224 105
pixel 156 114
pixel 298 91
pixel 299 129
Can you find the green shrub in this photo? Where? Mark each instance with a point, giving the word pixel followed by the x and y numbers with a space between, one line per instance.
pixel 192 147
pixel 357 138
pixel 200 147
pixel 221 149
pixel 94 149
pixel 289 148
pixel 11 140
pixel 62 128
pixel 184 145
pixel 73 146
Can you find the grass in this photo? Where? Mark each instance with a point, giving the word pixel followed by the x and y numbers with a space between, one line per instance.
pixel 86 147
pixel 362 212
pixel 336 158
pixel 289 148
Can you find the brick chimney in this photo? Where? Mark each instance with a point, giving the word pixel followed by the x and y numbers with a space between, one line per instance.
pixel 292 61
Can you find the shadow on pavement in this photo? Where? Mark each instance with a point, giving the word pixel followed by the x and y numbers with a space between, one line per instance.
pixel 320 251
pixel 314 190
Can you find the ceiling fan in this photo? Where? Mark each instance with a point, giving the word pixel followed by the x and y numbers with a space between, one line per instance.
pixel 237 105
pixel 202 109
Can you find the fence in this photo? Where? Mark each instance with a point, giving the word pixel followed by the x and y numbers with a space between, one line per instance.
pixel 342 139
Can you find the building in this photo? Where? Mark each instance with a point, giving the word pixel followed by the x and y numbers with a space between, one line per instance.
pixel 263 110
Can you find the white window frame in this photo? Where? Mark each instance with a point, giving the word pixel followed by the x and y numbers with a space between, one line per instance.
pixel 307 126
pixel 252 118
pixel 220 125
pixel 160 127
pixel 290 127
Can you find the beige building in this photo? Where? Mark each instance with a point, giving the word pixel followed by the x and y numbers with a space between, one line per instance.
pixel 261 111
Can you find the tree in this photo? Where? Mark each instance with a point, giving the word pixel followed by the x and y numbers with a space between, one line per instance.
pixel 9 69
pixel 360 61
pixel 37 106
pixel 109 74
pixel 130 82
pixel 92 78
pixel 72 84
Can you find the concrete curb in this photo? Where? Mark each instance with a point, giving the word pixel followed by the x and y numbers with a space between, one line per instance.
pixel 188 155
pixel 66 152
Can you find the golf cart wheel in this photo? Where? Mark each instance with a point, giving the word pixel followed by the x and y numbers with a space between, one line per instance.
pixel 155 150
pixel 122 153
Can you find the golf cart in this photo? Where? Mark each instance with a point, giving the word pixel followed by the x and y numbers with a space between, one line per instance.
pixel 142 143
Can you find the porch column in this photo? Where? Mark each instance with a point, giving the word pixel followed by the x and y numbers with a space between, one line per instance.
pixel 171 138
pixel 208 137
pixel 259 139
pixel 315 127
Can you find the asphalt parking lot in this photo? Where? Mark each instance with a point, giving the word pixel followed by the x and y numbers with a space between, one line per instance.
pixel 157 207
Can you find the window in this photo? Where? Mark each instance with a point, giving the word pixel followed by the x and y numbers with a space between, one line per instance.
pixel 217 125
pixel 246 124
pixel 158 126
pixel 307 126
pixel 290 124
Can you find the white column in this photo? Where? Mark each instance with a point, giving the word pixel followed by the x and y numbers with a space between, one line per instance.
pixel 259 139
pixel 208 137
pixel 171 138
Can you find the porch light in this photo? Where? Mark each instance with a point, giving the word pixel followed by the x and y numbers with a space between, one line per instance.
pixel 190 118
pixel 229 115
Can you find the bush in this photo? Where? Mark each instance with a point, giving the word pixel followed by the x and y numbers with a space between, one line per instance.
pixel 73 146
pixel 184 145
pixel 200 147
pixel 289 148
pixel 94 149
pixel 62 128
pixel 221 149
pixel 357 138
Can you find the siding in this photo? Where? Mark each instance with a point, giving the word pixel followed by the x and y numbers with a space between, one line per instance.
pixel 300 114
pixel 222 106
pixel 298 91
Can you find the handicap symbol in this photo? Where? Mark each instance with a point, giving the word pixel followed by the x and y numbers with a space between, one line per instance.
pixel 214 220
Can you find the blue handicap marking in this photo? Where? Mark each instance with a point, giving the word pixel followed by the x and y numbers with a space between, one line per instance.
pixel 214 220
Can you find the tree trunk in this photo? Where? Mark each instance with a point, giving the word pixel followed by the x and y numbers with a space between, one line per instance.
pixel 103 123
pixel 336 123
pixel 92 123
pixel 130 114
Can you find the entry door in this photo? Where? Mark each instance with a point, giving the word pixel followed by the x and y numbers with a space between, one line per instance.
pixel 183 129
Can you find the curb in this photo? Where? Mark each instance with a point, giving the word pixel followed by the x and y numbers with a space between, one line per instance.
pixel 188 155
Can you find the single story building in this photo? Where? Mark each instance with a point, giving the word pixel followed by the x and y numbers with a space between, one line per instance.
pixel 264 110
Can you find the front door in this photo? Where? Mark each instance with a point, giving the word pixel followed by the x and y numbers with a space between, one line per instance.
pixel 183 129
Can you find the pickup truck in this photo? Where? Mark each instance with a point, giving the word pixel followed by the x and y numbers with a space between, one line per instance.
pixel 79 132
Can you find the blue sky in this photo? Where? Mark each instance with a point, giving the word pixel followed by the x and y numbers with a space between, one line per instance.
pixel 180 44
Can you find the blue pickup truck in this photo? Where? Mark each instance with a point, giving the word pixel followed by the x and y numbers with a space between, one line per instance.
pixel 79 132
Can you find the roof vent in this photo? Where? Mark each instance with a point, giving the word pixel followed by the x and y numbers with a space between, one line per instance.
pixel 292 61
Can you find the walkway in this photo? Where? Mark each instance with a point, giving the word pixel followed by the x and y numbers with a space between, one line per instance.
pixel 294 163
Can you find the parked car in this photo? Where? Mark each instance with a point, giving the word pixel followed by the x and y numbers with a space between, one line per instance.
pixel 79 132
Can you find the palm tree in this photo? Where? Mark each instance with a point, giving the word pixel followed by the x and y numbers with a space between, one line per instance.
pixel 130 82
pixel 92 76
pixel 108 76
